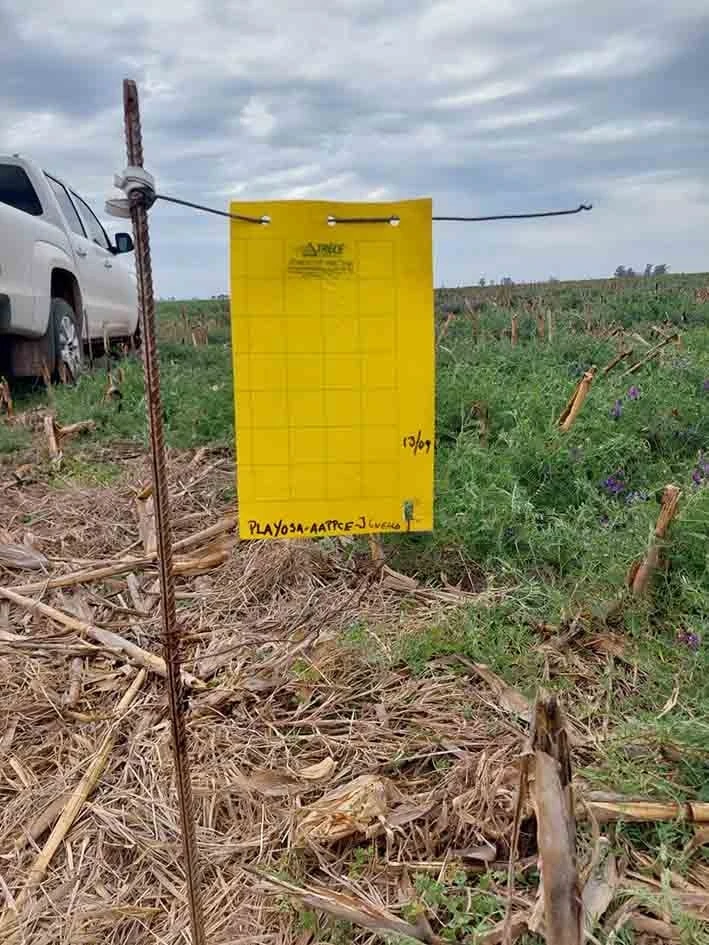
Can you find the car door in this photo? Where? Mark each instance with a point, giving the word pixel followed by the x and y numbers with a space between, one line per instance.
pixel 93 276
pixel 121 309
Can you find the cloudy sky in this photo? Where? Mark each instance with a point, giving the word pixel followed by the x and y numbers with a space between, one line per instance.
pixel 488 106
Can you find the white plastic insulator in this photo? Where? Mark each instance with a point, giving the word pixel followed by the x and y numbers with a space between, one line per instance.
pixel 135 178
pixel 118 207
pixel 132 180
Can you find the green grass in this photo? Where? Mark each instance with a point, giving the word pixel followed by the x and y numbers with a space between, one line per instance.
pixel 197 400
pixel 81 470
pixel 12 440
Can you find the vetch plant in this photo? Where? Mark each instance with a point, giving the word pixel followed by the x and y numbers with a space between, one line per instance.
pixel 635 496
pixel 700 473
pixel 614 485
pixel 689 638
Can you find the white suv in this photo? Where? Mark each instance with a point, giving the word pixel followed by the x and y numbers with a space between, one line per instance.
pixel 61 283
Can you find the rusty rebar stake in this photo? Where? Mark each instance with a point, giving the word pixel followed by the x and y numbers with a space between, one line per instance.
pixel 170 628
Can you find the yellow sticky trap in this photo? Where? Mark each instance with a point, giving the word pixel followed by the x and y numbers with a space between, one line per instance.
pixel 333 354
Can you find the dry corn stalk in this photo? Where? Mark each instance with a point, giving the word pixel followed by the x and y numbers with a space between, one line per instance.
pixel 449 319
pixel 396 581
pixel 199 336
pixel 556 826
pixel 51 432
pixel 121 648
pixel 474 312
pixel 628 353
pixel 183 565
pixel 541 328
pixel 640 574
pixel 72 697
pixel 5 397
pixel 47 378
pixel 514 329
pixel 573 408
pixel 22 558
pixel 146 520
pixel 658 929
pixel 56 434
pixel 651 354
pixel 606 809
pixel 74 429
pixel 550 325
pixel 356 807
pixel 42 822
pixel 376 550
pixel 601 883
pixel 113 393
pixel 507 697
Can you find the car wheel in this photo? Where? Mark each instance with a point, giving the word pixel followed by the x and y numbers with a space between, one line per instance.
pixel 68 346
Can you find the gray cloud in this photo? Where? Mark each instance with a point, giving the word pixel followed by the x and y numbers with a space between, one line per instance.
pixel 500 105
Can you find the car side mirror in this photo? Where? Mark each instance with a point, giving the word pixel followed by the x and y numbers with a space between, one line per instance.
pixel 123 243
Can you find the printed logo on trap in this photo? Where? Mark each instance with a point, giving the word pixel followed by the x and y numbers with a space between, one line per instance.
pixel 310 250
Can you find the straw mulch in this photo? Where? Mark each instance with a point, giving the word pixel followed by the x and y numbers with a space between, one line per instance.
pixel 295 642
pixel 317 756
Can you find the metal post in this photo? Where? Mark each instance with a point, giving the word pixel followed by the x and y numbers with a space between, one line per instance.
pixel 171 631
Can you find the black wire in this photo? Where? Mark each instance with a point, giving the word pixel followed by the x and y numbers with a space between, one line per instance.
pixel 219 213
pixel 391 220
pixel 519 216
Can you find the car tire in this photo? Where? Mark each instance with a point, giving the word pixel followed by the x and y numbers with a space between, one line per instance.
pixel 68 345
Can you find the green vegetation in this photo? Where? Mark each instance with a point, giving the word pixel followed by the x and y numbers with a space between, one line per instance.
pixel 554 520
pixel 462 909
pixel 82 471
pixel 557 518
pixel 12 439
pixel 196 393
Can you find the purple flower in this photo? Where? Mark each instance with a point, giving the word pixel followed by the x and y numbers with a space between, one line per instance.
pixel 633 393
pixel 615 484
pixel 700 471
pixel 705 386
pixel 689 638
pixel 617 410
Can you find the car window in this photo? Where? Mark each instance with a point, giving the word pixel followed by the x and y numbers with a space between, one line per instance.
pixel 91 224
pixel 16 190
pixel 68 209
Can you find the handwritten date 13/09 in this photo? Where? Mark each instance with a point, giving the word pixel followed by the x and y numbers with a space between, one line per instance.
pixel 416 443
